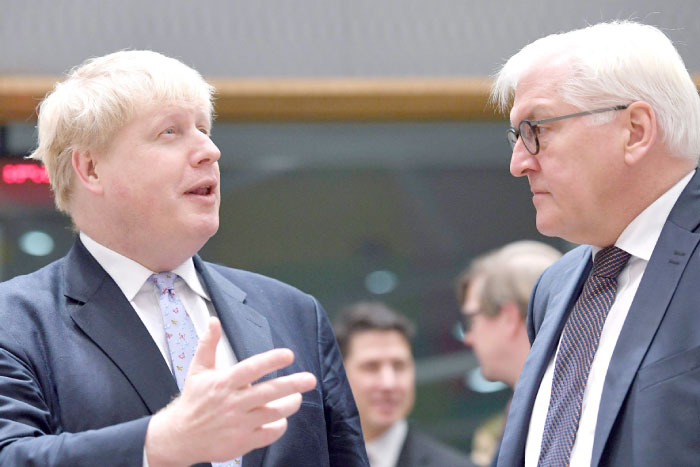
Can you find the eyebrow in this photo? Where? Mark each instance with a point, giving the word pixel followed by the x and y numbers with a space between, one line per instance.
pixel 535 113
pixel 177 114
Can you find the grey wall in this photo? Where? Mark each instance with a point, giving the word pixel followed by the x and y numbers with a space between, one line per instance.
pixel 317 38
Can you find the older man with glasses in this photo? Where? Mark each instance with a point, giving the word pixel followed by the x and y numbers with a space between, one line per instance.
pixel 606 128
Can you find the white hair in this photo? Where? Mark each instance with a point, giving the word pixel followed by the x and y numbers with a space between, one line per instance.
pixel 615 63
pixel 101 96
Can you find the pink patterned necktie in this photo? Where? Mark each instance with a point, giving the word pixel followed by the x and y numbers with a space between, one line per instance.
pixel 180 334
pixel 578 346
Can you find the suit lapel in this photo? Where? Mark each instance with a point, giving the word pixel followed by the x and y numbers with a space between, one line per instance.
pixel 557 307
pixel 104 314
pixel 247 330
pixel 666 265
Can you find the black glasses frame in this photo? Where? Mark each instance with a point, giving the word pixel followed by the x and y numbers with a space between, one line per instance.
pixel 513 133
pixel 465 320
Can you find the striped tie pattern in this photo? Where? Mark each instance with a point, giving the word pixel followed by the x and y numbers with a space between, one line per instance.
pixel 576 351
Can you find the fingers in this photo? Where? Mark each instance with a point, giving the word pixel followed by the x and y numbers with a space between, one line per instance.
pixel 276 390
pixel 205 355
pixel 275 410
pixel 251 369
pixel 270 432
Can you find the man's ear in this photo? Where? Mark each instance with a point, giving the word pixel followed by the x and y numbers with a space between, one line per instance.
pixel 642 131
pixel 85 167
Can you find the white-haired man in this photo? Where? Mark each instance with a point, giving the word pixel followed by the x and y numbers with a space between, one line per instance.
pixel 124 352
pixel 606 128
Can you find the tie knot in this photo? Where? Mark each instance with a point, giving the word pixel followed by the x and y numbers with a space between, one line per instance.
pixel 164 281
pixel 609 262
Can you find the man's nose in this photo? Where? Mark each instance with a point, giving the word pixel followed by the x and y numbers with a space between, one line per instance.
pixel 468 339
pixel 387 377
pixel 521 161
pixel 206 151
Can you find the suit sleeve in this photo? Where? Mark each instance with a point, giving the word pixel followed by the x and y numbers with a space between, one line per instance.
pixel 30 431
pixel 346 446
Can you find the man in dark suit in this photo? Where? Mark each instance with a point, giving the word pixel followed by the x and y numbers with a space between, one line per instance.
pixel 606 126
pixel 115 355
pixel 375 341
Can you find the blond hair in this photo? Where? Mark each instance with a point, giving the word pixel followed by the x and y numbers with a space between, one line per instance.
pixel 509 273
pixel 101 96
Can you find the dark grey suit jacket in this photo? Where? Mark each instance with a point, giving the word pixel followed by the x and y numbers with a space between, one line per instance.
pixel 421 451
pixel 650 408
pixel 80 374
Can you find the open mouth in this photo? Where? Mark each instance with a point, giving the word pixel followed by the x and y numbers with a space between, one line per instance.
pixel 204 190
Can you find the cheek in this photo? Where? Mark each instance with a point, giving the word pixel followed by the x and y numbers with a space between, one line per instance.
pixel 361 383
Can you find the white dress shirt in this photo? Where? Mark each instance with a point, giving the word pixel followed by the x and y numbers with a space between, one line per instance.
pixel 639 240
pixel 384 450
pixel 132 279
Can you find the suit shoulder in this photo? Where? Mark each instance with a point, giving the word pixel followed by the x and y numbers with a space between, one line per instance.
pixel 36 287
pixel 566 263
pixel 432 452
pixel 253 283
pixel 41 277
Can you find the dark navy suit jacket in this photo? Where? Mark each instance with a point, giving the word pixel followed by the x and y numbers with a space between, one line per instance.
pixel 80 374
pixel 650 408
pixel 419 450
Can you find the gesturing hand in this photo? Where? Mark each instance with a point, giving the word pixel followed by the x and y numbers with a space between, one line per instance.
pixel 221 414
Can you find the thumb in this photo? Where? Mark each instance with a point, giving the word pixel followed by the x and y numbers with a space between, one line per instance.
pixel 205 355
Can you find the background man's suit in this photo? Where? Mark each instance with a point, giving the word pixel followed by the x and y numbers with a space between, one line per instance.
pixel 650 408
pixel 420 451
pixel 90 364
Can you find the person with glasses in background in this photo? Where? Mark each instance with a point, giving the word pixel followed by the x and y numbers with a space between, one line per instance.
pixel 375 341
pixel 493 294
pixel 606 129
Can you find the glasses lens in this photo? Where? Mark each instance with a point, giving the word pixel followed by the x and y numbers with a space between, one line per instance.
pixel 512 137
pixel 458 332
pixel 527 133
pixel 465 321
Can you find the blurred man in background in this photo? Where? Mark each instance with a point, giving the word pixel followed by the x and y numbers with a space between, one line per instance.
pixel 493 293
pixel 375 341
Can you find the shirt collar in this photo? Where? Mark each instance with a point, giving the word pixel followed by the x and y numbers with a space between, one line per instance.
pixel 640 236
pixel 130 275
pixel 388 443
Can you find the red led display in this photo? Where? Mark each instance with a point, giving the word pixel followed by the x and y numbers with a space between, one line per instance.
pixel 13 174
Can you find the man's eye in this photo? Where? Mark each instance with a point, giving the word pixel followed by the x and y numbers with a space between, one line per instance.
pixel 205 131
pixel 169 131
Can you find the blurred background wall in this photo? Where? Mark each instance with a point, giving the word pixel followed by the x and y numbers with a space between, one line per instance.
pixel 360 157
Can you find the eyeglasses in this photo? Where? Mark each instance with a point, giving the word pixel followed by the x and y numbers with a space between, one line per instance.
pixel 527 129
pixel 465 323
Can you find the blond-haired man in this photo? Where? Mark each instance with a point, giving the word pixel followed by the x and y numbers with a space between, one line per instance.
pixel 124 352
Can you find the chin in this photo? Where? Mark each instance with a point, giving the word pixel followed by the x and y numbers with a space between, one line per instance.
pixel 546 226
pixel 207 226
pixel 385 423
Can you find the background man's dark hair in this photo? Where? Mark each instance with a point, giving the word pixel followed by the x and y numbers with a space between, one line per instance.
pixel 369 316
